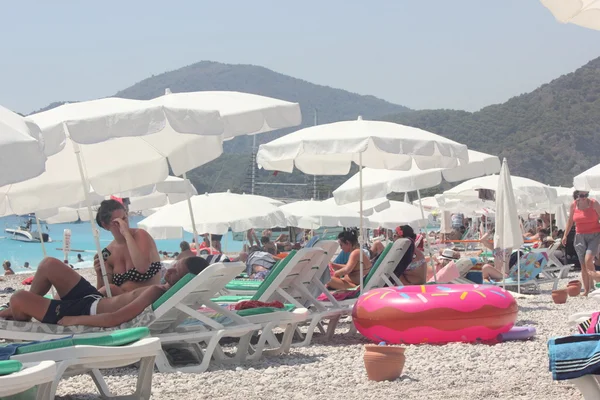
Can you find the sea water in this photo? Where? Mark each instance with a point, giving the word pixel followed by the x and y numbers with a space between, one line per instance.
pixel 82 242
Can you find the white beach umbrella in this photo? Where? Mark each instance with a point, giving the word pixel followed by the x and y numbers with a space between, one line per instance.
pixel 330 149
pixel 526 191
pixel 242 113
pixel 584 13
pixel 369 206
pixel 379 183
pixel 561 217
pixel 508 233
pixel 218 212
pixel 588 180
pixel 22 149
pixel 399 213
pixel 321 213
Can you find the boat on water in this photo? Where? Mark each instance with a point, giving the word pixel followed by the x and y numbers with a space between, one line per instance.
pixel 25 233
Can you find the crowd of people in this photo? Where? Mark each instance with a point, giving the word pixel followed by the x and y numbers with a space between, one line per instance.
pixel 136 274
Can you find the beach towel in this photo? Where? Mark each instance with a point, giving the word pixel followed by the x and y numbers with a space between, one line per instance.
pixel 591 325
pixel 574 356
pixel 9 350
pixel 340 295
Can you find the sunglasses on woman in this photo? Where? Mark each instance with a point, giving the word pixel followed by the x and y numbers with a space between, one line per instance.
pixel 583 195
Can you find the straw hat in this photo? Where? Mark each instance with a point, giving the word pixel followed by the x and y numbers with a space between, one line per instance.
pixel 449 254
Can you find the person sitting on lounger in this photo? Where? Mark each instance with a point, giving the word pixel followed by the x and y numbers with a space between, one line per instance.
pixel 131 259
pixel 81 303
pixel 258 263
pixel 268 245
pixel 348 275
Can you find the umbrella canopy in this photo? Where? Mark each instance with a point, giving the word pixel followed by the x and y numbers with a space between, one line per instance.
pixel 508 233
pixel 241 113
pixel 399 213
pixel 95 121
pixel 527 191
pixel 369 206
pixel 312 214
pixel 588 180
pixel 22 151
pixel 330 149
pixel 380 183
pixel 217 212
pixel 508 229
pixel 584 13
pixel 170 191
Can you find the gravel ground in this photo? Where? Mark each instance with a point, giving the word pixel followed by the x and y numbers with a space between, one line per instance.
pixel 326 370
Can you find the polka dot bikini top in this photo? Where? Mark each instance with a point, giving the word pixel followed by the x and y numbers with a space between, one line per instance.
pixel 133 275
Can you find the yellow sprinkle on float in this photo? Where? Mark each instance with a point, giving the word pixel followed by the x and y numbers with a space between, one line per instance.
pixel 479 293
pixel 422 288
pixel 383 295
pixel 439 294
pixel 463 295
pixel 369 296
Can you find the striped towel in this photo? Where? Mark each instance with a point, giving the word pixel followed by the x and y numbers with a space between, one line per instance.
pixel 574 356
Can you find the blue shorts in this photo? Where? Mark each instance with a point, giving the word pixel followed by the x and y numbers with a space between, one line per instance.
pixel 77 302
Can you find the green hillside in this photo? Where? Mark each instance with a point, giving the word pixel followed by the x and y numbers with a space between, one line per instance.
pixel 550 134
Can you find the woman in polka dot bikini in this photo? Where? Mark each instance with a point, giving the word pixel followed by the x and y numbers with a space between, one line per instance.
pixel 131 259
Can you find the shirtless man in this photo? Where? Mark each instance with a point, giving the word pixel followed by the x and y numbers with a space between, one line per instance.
pixel 80 303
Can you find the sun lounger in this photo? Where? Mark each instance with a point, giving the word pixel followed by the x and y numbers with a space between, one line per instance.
pixel 294 284
pixel 380 275
pixel 532 264
pixel 247 287
pixel 80 354
pixel 16 378
pixel 166 316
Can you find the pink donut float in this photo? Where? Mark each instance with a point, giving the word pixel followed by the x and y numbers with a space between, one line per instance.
pixel 435 313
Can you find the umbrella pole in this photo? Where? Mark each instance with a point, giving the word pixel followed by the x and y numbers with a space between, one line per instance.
pixel 39 227
pixel 519 272
pixel 360 239
pixel 426 239
pixel 88 205
pixel 189 203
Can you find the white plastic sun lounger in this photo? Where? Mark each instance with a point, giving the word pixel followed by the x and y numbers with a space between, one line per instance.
pixel 166 317
pixel 38 375
pixel 588 386
pixel 109 351
pixel 292 282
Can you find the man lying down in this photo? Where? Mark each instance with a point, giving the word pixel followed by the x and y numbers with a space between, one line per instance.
pixel 80 303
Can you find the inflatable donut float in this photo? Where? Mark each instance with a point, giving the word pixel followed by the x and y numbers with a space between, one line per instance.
pixel 435 313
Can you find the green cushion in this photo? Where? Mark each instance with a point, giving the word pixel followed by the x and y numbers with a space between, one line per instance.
pixel 244 284
pixel 276 270
pixel 121 337
pixel 377 263
pixel 115 338
pixel 230 299
pixel 264 310
pixel 8 367
pixel 172 290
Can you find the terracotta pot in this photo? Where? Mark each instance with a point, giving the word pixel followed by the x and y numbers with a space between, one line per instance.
pixel 384 363
pixel 559 296
pixel 574 288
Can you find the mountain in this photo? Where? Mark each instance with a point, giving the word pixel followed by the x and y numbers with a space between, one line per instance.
pixel 331 104
pixel 550 134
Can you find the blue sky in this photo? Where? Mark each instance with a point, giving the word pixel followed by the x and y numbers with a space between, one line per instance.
pixel 462 54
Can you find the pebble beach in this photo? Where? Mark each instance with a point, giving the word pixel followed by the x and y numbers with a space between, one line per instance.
pixel 334 369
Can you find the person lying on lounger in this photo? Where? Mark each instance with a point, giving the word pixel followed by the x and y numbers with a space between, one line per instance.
pixel 80 302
